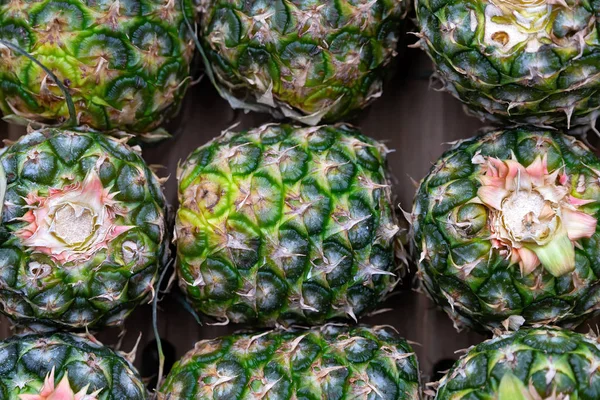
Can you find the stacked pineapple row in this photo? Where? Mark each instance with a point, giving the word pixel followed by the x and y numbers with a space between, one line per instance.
pixel 292 226
pixel 504 226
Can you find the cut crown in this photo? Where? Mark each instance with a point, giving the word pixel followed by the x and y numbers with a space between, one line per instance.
pixel 61 392
pixel 532 214
pixel 72 223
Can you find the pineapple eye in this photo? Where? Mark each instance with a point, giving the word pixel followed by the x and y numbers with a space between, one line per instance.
pixel 111 49
pixel 360 224
pixel 570 22
pixel 40 167
pixel 501 37
pixel 220 279
pixel 317 299
pixel 129 90
pixel 39 270
pixel 152 38
pixel 125 7
pixel 292 165
pixel 292 252
pixel 208 195
pixel 336 264
pixel 266 200
pixel 130 251
pixel 361 350
pixel 235 382
pixel 243 158
pixel 59 14
pixel 131 184
pixel 338 171
pixel 280 17
pixel 471 218
pixel 270 292
pixel 306 63
pixel 348 47
pixel 16 34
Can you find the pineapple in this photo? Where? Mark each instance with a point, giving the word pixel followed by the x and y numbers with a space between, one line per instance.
pixel 517 61
pixel 83 230
pixel 308 60
pixel 329 362
pixel 532 364
pixel 125 64
pixel 62 366
pixel 506 227
pixel 283 225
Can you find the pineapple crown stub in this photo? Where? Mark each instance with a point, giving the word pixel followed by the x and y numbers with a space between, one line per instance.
pixel 72 223
pixel 514 25
pixel 510 23
pixel 507 27
pixel 63 391
pixel 532 215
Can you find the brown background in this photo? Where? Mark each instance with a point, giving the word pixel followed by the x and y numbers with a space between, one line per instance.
pixel 411 118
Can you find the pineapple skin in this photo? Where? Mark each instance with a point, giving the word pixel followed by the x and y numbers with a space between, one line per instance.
pixel 126 64
pixel 102 288
pixel 546 363
pixel 315 62
pixel 282 225
pixel 510 75
pixel 26 360
pixel 474 282
pixel 333 362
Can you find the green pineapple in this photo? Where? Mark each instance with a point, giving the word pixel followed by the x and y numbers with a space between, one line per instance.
pixel 505 225
pixel 330 362
pixel 309 60
pixel 532 364
pixel 515 61
pixel 283 225
pixel 125 63
pixel 83 230
pixel 65 367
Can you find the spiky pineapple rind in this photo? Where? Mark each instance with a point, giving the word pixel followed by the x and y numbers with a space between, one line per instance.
pixel 125 64
pixel 283 225
pixel 315 62
pixel 514 62
pixel 544 363
pixel 332 361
